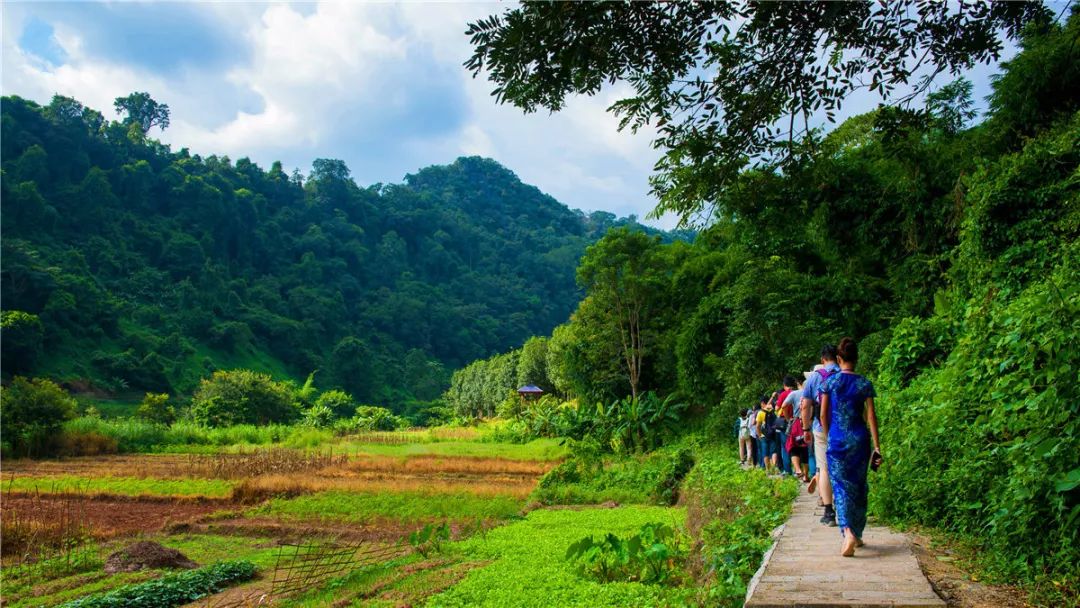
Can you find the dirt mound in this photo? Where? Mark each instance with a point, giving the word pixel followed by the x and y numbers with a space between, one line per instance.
pixel 146 554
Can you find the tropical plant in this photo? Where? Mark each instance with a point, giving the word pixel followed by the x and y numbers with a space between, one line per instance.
pixel 650 556
pixel 429 539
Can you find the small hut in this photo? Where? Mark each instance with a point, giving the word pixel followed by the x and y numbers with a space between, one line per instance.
pixel 530 392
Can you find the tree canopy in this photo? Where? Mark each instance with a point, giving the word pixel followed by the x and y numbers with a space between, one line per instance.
pixel 139 268
pixel 729 83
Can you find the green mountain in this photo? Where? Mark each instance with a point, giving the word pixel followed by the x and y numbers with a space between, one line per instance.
pixel 127 266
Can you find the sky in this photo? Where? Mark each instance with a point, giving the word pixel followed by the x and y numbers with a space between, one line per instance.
pixel 378 85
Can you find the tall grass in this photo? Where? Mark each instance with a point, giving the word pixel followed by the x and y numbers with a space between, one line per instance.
pixel 133 436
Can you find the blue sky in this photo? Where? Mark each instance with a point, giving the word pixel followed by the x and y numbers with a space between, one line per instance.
pixel 380 86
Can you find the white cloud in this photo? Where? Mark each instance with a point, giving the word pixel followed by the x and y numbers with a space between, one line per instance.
pixel 381 86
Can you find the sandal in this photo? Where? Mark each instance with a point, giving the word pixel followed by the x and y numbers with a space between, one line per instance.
pixel 813 485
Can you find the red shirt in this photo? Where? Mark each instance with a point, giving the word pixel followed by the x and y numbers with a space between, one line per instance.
pixel 785 410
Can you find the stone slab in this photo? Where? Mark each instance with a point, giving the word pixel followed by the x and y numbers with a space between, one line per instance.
pixel 804 568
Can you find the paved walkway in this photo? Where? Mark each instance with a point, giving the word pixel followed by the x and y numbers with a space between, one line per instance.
pixel 805 568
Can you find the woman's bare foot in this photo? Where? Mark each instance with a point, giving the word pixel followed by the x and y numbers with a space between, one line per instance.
pixel 850 541
pixel 813 485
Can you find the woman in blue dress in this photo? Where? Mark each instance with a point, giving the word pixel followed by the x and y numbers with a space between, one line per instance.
pixel 847 415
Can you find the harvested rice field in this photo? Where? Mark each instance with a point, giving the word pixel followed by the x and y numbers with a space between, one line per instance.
pixel 344 511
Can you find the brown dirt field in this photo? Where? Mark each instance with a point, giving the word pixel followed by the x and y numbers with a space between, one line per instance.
pixel 957 587
pixel 116 516
pixel 180 466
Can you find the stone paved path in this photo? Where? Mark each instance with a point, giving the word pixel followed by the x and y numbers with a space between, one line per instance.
pixel 805 568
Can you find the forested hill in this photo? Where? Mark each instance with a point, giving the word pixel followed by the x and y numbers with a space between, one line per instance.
pixel 140 268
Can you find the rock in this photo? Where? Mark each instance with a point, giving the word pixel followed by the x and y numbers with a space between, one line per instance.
pixel 146 554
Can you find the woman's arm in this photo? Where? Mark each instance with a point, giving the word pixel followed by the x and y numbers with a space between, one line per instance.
pixel 872 419
pixel 825 413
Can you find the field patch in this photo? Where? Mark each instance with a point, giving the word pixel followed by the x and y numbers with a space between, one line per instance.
pixel 408 507
pixel 106 517
pixel 528 567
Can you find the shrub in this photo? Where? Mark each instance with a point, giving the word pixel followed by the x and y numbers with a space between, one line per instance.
pixel 339 403
pixel 242 396
pixel 317 416
pixel 1005 408
pixel 372 418
pixel 155 408
pixel 171 589
pixel 32 413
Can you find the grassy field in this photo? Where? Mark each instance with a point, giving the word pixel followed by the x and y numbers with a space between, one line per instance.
pixel 510 511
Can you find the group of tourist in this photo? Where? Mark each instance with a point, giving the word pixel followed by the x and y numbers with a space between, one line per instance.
pixel 821 429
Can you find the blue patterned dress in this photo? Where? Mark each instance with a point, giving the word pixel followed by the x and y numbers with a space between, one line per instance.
pixel 849 447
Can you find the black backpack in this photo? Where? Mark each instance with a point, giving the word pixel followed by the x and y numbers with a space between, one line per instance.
pixel 770 425
pixel 781 424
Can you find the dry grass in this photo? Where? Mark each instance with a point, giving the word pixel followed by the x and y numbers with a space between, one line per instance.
pixel 277 461
pixel 447 465
pixel 43 526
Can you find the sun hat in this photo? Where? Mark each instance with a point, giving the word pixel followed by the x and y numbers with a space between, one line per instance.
pixel 806 375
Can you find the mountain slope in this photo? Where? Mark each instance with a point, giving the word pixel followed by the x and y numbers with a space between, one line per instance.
pixel 142 268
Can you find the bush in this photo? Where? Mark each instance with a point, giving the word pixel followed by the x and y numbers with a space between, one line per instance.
pixel 171 589
pixel 985 445
pixel 317 416
pixel 372 418
pixel 242 397
pixel 32 413
pixel 339 403
pixel 155 408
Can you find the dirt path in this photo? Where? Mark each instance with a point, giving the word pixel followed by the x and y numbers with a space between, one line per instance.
pixel 805 568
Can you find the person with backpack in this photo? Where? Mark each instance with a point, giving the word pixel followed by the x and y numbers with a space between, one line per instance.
pixel 783 423
pixel 745 451
pixel 796 442
pixel 767 425
pixel 850 426
pixel 751 425
pixel 814 433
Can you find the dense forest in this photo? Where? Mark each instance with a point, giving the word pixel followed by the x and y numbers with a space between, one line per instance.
pixel 130 267
pixel 949 250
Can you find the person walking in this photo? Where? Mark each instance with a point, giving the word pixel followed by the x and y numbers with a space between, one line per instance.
pixel 768 420
pixel 755 450
pixel 784 414
pixel 746 452
pixel 796 442
pixel 816 437
pixel 850 426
